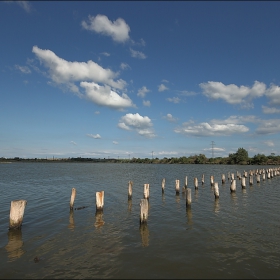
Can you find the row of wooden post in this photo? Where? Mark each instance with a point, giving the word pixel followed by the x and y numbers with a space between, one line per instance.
pixel 18 206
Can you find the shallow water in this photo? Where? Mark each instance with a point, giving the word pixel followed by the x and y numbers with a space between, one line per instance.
pixel 235 236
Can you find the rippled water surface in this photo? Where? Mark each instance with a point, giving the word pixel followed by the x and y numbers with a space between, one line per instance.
pixel 235 236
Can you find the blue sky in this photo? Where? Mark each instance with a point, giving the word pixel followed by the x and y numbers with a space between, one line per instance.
pixel 139 79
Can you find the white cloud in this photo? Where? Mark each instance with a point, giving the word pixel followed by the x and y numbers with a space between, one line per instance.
pixel 142 91
pixel 213 128
pixel 215 149
pixel 269 143
pixel 74 143
pixel 95 136
pixel 168 153
pixel 124 66
pixel 173 99
pixel 269 126
pixel 62 71
pixel 232 94
pixel 270 110
pixel 146 103
pixel 187 93
pixel 97 112
pixel 137 54
pixel 118 30
pixel 170 118
pixel 104 96
pixel 23 69
pixel 143 125
pixel 165 81
pixel 115 142
pixel 273 93
pixel 162 87
pixel 105 54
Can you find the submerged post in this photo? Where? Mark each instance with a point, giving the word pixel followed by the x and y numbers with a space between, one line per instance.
pixel 223 178
pixel 99 200
pixel 163 185
pixel 243 182
pixel 216 190
pixel 202 179
pixel 146 191
pixel 195 181
pixel 233 186
pixel 130 184
pixel 16 213
pixel 177 186
pixel 212 180
pixel 258 178
pixel 250 179
pixel 72 198
pixel 189 197
pixel 144 207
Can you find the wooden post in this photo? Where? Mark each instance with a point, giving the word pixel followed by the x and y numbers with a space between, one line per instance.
pixel 216 190
pixel 232 176
pixel 223 178
pixel 250 179
pixel 202 179
pixel 99 200
pixel 130 184
pixel 189 197
pixel 195 181
pixel 163 185
pixel 243 182
pixel 233 186
pixel 144 208
pixel 263 176
pixel 16 213
pixel 268 175
pixel 212 180
pixel 146 191
pixel 186 182
pixel 177 186
pixel 72 198
pixel 258 178
pixel 228 176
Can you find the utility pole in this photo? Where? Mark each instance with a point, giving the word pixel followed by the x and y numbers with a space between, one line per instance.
pixel 213 144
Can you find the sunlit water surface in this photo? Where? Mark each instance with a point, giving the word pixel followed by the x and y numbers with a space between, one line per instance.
pixel 235 236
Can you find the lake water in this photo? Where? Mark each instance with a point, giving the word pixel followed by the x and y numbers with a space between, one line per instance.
pixel 235 236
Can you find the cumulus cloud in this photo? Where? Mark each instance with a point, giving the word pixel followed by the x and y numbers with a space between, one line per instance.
pixel 168 153
pixel 137 54
pixel 270 110
pixel 105 54
pixel 115 143
pixel 104 96
pixel 271 126
pixel 142 125
pixel 146 103
pixel 118 30
pixel 173 99
pixel 73 143
pixel 24 4
pixel 23 69
pixel 170 118
pixel 232 94
pixel 269 143
pixel 213 128
pixel 142 91
pixel 95 136
pixel 162 87
pixel 273 93
pixel 124 66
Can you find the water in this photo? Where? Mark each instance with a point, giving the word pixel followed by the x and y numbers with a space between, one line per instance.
pixel 235 236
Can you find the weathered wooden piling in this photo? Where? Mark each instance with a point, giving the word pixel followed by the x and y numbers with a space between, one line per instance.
pixel 228 176
pixel 243 182
pixel 202 179
pixel 177 186
pixel 188 197
pixel 216 190
pixel 268 175
pixel 258 178
pixel 232 176
pixel 99 200
pixel 263 176
pixel 146 191
pixel 163 185
pixel 16 213
pixel 212 180
pixel 233 186
pixel 195 182
pixel 223 178
pixel 144 209
pixel 130 184
pixel 72 198
pixel 245 174
pixel 186 182
pixel 251 179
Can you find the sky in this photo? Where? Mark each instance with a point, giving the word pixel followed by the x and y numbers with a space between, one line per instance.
pixel 143 79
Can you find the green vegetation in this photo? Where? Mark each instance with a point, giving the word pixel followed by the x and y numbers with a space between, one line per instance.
pixel 240 157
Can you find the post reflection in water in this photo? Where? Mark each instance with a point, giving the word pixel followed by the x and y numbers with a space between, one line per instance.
pixel 217 205
pixel 99 219
pixel 163 198
pixel 196 194
pixel 189 215
pixel 129 205
pixel 177 198
pixel 14 245
pixel 144 231
pixel 71 225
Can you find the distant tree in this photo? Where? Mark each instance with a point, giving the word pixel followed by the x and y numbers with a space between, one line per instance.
pixel 240 157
